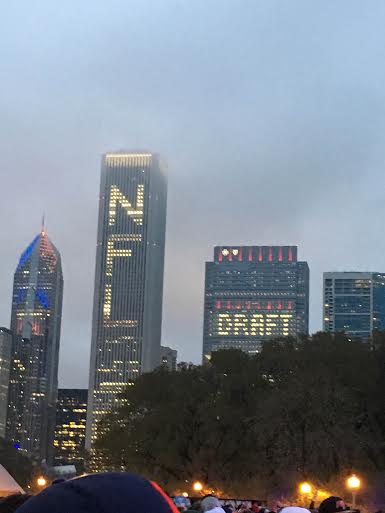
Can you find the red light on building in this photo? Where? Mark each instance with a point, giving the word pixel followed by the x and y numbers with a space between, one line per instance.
pixel 290 255
pixel 250 254
pixel 229 305
pixel 238 305
pixel 240 256
pixel 260 255
pixel 279 306
pixel 36 328
pixel 248 305
pixel 220 256
pixel 280 254
pixel 19 326
pixel 290 305
pixel 269 305
pixel 230 257
pixel 217 304
pixel 270 254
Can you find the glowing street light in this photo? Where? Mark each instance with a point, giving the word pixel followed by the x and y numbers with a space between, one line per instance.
pixel 198 487
pixel 354 484
pixel 305 488
pixel 185 494
pixel 41 481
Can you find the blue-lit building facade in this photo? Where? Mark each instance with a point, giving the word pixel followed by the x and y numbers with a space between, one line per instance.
pixel 354 303
pixel 35 324
pixel 127 311
pixel 254 294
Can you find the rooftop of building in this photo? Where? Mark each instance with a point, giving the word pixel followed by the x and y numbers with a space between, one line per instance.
pixel 42 244
pixel 256 254
pixel 351 274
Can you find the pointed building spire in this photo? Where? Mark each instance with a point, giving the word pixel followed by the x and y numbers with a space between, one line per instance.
pixel 43 224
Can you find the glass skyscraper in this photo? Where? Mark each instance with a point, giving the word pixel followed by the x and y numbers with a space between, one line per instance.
pixel 35 324
pixel 70 432
pixel 254 294
pixel 5 365
pixel 354 303
pixel 127 313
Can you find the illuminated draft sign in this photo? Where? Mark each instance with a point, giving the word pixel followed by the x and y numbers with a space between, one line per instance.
pixel 251 324
pixel 114 249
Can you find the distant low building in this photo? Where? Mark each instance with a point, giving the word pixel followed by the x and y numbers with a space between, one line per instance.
pixel 70 432
pixel 5 364
pixel 168 358
pixel 354 303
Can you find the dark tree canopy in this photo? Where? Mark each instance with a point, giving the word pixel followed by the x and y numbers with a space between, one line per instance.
pixel 19 466
pixel 312 408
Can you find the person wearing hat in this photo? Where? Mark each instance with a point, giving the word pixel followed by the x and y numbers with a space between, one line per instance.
pixel 113 492
pixel 294 509
pixel 332 505
pixel 210 504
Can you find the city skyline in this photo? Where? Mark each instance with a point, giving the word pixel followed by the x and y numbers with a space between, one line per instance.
pixel 274 134
pixel 341 272
pixel 321 319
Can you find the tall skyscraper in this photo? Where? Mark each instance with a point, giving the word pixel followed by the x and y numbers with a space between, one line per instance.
pixel 70 432
pixel 127 314
pixel 354 303
pixel 168 357
pixel 35 323
pixel 253 294
pixel 5 365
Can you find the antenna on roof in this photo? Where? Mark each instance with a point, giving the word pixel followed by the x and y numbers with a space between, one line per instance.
pixel 43 223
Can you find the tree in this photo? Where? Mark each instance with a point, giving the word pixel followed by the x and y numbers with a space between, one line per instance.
pixel 300 408
pixel 19 466
pixel 319 406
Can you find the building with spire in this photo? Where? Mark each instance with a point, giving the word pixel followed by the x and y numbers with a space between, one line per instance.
pixel 35 324
pixel 127 314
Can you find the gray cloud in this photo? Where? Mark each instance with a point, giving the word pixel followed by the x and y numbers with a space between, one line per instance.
pixel 270 115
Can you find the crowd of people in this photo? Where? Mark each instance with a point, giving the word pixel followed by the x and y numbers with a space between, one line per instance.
pixel 121 492
pixel 211 504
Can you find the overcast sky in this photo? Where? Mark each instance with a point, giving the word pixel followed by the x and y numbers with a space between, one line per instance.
pixel 270 114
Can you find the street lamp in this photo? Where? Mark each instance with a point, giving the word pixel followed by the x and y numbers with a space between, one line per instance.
pixel 41 481
pixel 197 486
pixel 354 484
pixel 305 488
